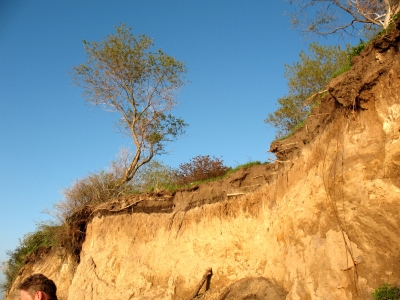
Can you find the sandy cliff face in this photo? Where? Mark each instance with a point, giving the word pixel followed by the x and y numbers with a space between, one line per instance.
pixel 322 222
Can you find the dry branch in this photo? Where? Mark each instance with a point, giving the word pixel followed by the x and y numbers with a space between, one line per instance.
pixel 235 194
pixel 310 99
pixel 206 275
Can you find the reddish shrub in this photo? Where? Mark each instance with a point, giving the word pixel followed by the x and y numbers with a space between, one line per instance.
pixel 200 168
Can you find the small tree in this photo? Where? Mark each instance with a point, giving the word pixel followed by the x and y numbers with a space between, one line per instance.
pixel 200 168
pixel 325 17
pixel 122 75
pixel 305 78
pixel 153 176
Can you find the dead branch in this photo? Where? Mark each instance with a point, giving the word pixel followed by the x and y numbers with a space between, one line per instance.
pixel 310 99
pixel 206 275
pixel 184 213
pixel 284 145
pixel 289 144
pixel 281 161
pixel 247 186
pixel 319 115
pixel 115 210
pixel 285 149
pixel 235 194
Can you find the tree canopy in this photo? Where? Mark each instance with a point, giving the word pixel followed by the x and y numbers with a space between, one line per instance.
pixel 122 75
pixel 306 77
pixel 343 16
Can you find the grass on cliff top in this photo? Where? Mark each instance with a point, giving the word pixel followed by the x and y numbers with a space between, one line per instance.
pixel 232 170
pixel 292 132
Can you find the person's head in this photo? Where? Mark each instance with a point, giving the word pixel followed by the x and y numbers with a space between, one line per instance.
pixel 38 287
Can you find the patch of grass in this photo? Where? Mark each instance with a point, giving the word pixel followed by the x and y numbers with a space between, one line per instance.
pixel 246 165
pixel 297 127
pixel 387 292
pixel 341 71
pixel 351 53
pixel 212 179
pixel 165 187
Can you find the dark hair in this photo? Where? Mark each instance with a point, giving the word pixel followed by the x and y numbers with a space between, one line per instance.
pixel 39 282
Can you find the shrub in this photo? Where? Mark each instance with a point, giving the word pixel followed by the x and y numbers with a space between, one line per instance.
pixel 153 176
pixel 387 292
pixel 198 169
pixel 92 190
pixel 44 236
pixel 356 50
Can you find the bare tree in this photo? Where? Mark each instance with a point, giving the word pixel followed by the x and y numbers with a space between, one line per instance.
pixel 325 17
pixel 122 75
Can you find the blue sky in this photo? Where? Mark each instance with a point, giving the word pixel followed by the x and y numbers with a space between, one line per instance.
pixel 235 52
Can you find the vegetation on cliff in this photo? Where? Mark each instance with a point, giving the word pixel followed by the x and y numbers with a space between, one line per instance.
pixel 45 236
pixel 74 209
pixel 200 168
pixel 104 186
pixel 308 78
pixel 387 292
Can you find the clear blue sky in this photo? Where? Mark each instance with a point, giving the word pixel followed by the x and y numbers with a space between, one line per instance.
pixel 235 52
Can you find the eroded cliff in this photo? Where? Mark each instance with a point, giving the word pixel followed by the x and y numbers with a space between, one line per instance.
pixel 322 222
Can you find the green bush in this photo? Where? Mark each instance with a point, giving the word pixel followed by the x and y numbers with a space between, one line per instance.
pixel 387 292
pixel 356 50
pixel 351 52
pixel 153 176
pixel 44 236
